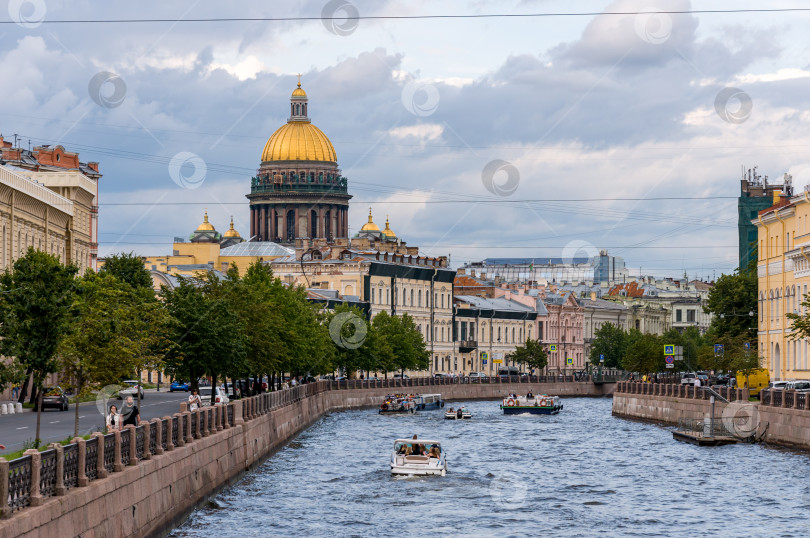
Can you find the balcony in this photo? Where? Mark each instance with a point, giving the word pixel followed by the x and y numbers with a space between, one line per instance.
pixel 465 346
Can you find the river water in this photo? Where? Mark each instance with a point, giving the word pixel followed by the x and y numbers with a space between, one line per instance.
pixel 579 472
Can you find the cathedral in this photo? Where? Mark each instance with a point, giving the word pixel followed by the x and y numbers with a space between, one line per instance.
pixel 298 192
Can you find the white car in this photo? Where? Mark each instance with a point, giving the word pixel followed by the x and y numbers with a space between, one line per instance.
pixel 477 374
pixel 132 388
pixel 798 386
pixel 219 398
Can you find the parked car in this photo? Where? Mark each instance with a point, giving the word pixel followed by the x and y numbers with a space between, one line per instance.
pixel 779 385
pixel 179 385
pixel 132 388
pixel 54 397
pixel 477 375
pixel 219 398
pixel 401 376
pixel 689 378
pixel 437 375
pixel 799 386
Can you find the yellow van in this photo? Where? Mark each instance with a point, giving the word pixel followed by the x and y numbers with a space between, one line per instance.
pixel 755 381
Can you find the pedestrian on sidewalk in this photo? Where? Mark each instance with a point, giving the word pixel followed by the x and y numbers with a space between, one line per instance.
pixel 130 413
pixel 194 401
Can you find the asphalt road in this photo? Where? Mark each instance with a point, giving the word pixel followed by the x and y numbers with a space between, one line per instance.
pixel 55 425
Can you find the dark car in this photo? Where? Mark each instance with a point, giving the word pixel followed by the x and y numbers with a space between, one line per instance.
pixel 179 385
pixel 54 397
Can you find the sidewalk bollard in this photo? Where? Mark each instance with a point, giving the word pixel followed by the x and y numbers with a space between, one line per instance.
pixel 4 409
pixel 18 407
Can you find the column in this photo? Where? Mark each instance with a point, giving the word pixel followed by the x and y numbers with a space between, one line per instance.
pixel 263 223
pixel 252 221
pixel 271 227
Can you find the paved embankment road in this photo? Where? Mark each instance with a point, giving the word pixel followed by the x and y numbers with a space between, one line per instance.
pixel 18 428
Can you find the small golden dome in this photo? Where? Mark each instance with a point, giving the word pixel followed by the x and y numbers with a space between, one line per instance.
pixel 388 232
pixel 232 232
pixel 370 226
pixel 298 92
pixel 206 226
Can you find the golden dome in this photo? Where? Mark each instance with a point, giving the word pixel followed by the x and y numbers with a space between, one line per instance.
pixel 298 92
pixel 370 226
pixel 231 232
pixel 299 141
pixel 388 232
pixel 206 226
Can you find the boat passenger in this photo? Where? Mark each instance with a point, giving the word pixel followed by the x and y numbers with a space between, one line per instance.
pixel 434 452
pixel 459 413
pixel 529 396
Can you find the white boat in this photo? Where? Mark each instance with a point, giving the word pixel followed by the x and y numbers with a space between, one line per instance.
pixel 428 401
pixel 457 414
pixel 418 457
pixel 541 404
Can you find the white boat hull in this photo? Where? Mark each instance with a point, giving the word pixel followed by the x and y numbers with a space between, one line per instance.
pixel 418 466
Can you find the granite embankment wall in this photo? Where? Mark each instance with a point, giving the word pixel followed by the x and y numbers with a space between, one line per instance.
pixel 780 418
pixel 145 481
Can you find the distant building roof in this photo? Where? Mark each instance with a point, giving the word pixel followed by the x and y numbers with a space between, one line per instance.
pixel 498 303
pixel 535 261
pixel 257 249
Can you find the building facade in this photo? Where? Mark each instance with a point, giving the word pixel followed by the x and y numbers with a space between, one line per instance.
pixel 783 272
pixel 48 201
pixel 755 196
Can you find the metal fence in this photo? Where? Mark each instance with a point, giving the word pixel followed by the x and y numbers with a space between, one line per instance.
pixel 139 442
pixel 91 458
pixel 125 442
pixel 109 452
pixel 19 482
pixel 47 472
pixel 70 467
pixel 705 427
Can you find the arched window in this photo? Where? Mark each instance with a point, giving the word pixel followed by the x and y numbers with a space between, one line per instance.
pixel 513 335
pixel 290 225
pixel 313 226
pixel 327 225
pixel 419 298
pixel 411 296
pixel 372 295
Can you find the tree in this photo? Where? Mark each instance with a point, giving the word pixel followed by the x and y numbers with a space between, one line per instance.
pixel 400 344
pixel 206 334
pixel 128 268
pixel 644 354
pixel 35 301
pixel 733 301
pixel 611 341
pixel 531 354
pixel 96 350
pixel 353 338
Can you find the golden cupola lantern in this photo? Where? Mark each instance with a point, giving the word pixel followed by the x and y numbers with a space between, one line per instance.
pixel 205 226
pixel 370 226
pixel 388 233
pixel 231 233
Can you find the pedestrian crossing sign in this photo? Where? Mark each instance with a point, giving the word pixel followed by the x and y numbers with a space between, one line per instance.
pixel 569 360
pixel 553 347
pixel 669 349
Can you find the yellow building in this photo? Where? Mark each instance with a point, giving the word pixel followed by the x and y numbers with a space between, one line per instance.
pixel 207 250
pixel 783 271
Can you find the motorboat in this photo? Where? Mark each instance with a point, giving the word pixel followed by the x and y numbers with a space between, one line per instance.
pixel 541 404
pixel 458 414
pixel 395 404
pixel 428 401
pixel 417 457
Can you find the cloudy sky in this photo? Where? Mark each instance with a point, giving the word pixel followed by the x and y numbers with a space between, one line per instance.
pixel 479 137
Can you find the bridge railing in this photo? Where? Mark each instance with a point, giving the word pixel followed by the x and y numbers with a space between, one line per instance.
pixel 787 399
pixel 398 382
pixel 680 391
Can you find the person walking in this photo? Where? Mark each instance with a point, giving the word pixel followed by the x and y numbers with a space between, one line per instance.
pixel 194 401
pixel 113 419
pixel 130 413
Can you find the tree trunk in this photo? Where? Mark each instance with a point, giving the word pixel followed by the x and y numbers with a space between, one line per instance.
pixel 39 413
pixel 24 387
pixel 34 392
pixel 79 388
pixel 138 392
pixel 213 388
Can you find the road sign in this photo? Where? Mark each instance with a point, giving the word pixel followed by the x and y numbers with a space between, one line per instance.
pixel 601 358
pixel 669 349
pixel 718 349
pixel 497 361
pixel 670 365
pixel 669 359
pixel 569 360
pixel 747 346
pixel 484 361
pixel 484 355
pixel 553 347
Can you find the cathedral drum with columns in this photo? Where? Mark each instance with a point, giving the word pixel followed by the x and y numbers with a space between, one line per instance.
pixel 298 192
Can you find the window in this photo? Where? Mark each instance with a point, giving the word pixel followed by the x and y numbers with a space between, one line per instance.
pixel 679 315
pixel 690 315
pixel 372 295
pixel 411 297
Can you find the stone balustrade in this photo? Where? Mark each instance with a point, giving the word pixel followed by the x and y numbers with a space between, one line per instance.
pixel 680 391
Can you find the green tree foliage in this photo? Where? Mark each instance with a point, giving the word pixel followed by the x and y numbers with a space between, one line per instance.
pixel 206 334
pixel 611 341
pixel 531 354
pixel 97 349
pixel 731 300
pixel 128 268
pixel 399 344
pixel 644 353
pixel 354 338
pixel 35 302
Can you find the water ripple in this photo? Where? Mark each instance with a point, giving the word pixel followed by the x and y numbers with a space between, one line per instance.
pixel 579 472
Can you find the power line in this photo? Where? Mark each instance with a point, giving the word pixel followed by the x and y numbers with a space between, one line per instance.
pixel 422 17
pixel 477 201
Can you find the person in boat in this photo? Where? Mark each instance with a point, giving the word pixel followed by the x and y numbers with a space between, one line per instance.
pixel 434 452
pixel 451 410
pixel 459 413
pixel 529 395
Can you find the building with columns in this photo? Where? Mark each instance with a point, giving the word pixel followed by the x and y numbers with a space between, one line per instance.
pixel 298 191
